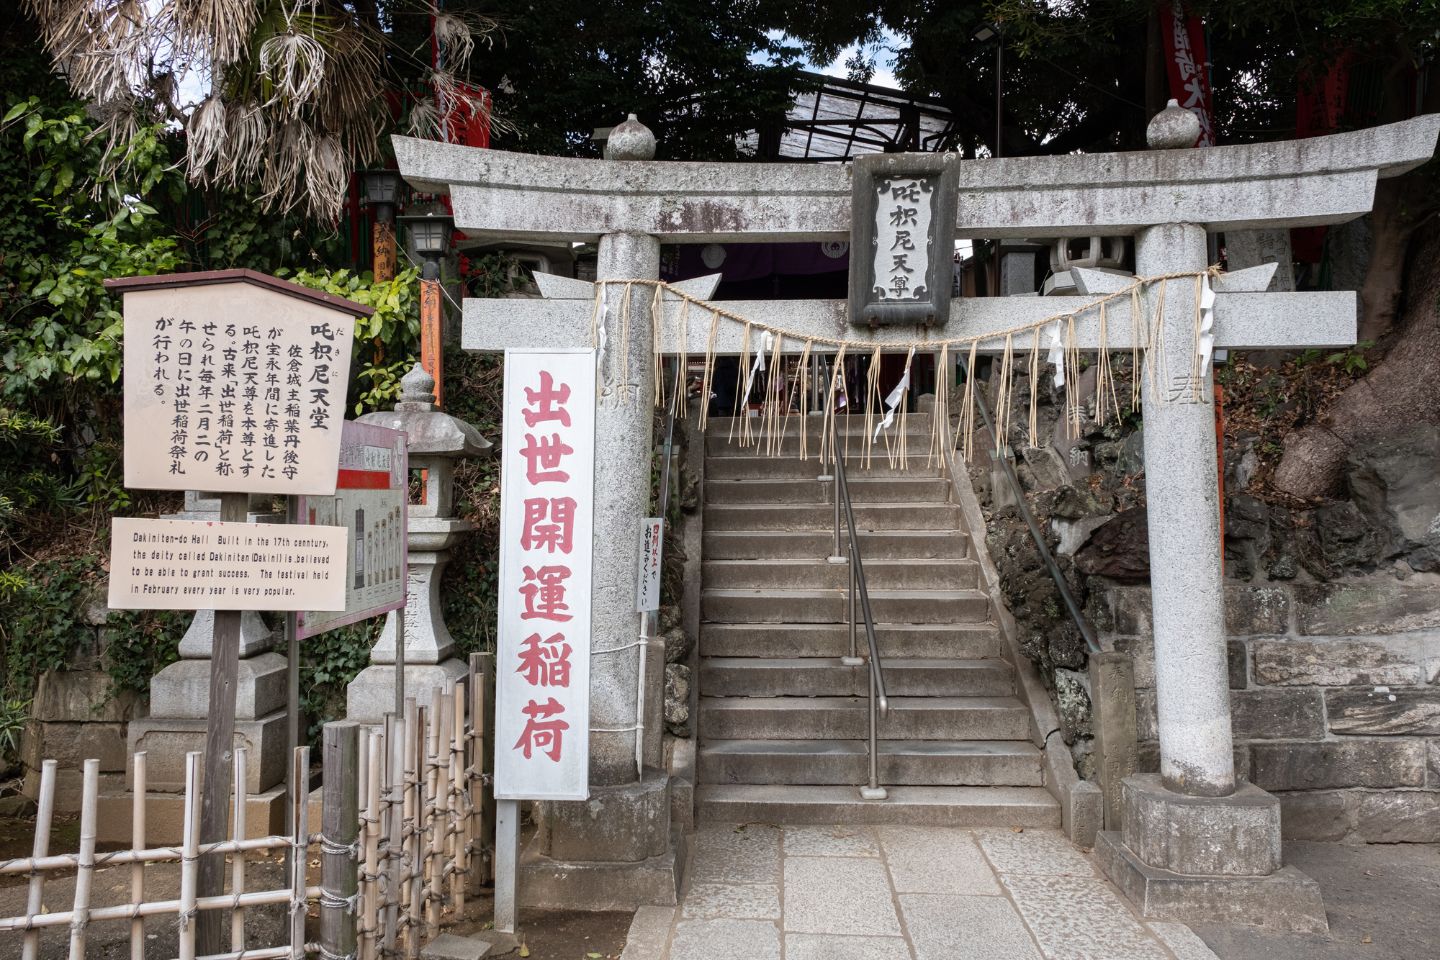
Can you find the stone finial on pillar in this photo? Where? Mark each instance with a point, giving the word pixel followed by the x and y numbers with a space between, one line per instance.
pixel 436 441
pixel 630 140
pixel 1173 128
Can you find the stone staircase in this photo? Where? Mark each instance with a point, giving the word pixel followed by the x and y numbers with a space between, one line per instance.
pixel 782 723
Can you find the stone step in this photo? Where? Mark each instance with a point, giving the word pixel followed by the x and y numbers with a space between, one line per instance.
pixel 902 762
pixel 803 491
pixel 962 641
pixel 747 465
pixel 845 425
pixel 826 677
pixel 817 544
pixel 887 517
pixel 810 574
pixel 853 446
pixel 930 806
pixel 847 718
pixel 829 606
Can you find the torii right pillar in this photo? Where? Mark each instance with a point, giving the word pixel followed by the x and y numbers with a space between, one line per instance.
pixel 1194 842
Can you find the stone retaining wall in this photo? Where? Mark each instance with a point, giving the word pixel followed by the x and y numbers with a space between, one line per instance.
pixel 1335 697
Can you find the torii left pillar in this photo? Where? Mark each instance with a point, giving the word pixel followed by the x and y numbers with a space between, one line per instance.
pixel 615 851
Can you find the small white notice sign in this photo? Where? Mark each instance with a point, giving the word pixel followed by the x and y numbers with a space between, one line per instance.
pixel 652 537
pixel 547 501
pixel 204 565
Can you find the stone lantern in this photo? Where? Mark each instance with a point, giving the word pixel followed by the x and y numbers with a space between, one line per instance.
pixel 436 441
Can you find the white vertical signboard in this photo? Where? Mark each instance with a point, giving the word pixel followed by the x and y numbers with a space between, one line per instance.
pixel 542 667
pixel 647 592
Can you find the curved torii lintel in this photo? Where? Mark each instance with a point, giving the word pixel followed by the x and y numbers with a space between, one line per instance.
pixel 1321 180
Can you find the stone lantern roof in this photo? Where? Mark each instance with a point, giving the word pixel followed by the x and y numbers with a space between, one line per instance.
pixel 431 432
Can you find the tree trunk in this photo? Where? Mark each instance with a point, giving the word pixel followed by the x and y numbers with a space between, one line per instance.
pixel 1391 225
pixel 1403 388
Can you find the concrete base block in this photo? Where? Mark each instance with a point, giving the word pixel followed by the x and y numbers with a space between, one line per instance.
pixel 622 824
pixel 167 740
pixel 1285 900
pixel 1238 835
pixel 549 884
pixel 183 688
pixel 165 816
pixel 448 946
pixel 371 695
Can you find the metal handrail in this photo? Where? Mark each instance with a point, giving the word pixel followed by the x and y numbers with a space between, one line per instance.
pixel 1001 454
pixel 878 701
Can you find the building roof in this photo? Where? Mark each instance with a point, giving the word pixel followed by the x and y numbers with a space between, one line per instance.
pixel 833 119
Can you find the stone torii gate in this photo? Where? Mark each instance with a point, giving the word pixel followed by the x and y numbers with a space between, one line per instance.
pixel 1194 818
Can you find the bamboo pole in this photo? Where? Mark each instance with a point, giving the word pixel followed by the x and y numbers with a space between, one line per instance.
pixel 417 833
pixel 300 776
pixel 237 860
pixel 439 813
pixel 137 869
pixel 339 825
pixel 456 851
pixel 85 875
pixel 116 858
pixel 156 908
pixel 34 902
pixel 362 784
pixel 189 862
pixel 372 846
pixel 395 820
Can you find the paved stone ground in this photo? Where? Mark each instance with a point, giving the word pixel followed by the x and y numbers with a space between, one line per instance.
pixel 1382 901
pixel 758 892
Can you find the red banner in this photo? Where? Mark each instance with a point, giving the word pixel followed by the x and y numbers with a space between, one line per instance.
pixel 1185 63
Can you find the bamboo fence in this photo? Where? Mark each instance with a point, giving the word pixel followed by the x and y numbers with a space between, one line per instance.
pixel 407 823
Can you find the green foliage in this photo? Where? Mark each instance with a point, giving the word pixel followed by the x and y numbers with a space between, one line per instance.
pixel 26 488
pixel 387 342
pixel 701 75
pixel 330 661
pixel 43 626
pixel 14 714
pixel 469 585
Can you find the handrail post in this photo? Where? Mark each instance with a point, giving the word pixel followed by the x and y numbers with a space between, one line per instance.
pixel 874 791
pixel 853 659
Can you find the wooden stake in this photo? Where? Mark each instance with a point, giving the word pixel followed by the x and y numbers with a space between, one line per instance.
pixel 85 875
pixel 137 869
pixel 40 848
pixel 219 746
pixel 339 825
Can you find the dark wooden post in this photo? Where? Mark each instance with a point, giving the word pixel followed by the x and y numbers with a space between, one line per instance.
pixel 219 750
pixel 339 827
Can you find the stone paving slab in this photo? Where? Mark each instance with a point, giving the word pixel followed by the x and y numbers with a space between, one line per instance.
pixel 838 895
pixel 727 853
pixel 1041 852
pixel 732 901
pixel 902 892
pixel 946 927
pixel 1080 918
pixel 925 860
pixel 819 946
pixel 848 841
